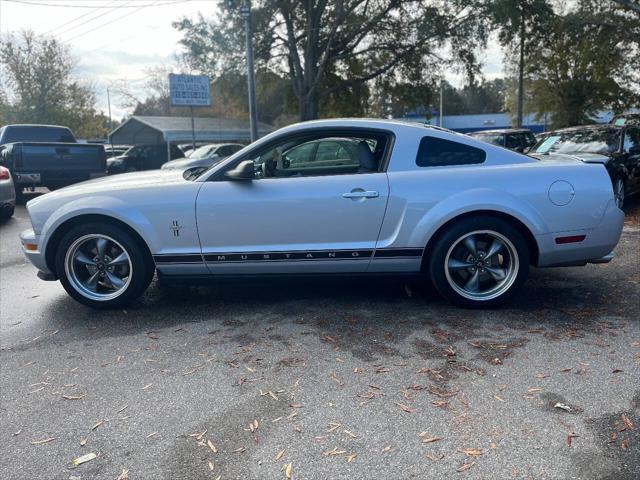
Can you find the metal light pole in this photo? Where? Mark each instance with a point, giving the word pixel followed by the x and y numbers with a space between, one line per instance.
pixel 245 11
pixel 440 116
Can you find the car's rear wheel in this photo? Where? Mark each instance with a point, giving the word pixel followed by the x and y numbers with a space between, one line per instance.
pixel 479 262
pixel 103 266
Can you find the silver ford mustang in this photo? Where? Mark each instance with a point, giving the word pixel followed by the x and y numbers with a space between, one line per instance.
pixel 331 197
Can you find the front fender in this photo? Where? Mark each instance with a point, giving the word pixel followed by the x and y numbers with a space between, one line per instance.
pixel 480 199
pixel 100 205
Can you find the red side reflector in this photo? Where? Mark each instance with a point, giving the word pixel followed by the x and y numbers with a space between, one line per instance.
pixel 31 246
pixel 572 239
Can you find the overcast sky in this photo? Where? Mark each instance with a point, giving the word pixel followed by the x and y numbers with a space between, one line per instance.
pixel 118 39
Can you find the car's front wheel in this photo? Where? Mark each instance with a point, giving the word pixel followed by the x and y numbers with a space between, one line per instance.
pixel 479 262
pixel 102 265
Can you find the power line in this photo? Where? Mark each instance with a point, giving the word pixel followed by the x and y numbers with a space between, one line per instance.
pixel 79 17
pixel 111 21
pixel 66 5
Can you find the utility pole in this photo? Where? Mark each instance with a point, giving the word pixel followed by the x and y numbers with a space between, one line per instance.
pixel 109 104
pixel 245 11
pixel 521 69
pixel 440 115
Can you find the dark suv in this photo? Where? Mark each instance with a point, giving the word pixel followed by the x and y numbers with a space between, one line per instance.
pixel 143 157
pixel 518 139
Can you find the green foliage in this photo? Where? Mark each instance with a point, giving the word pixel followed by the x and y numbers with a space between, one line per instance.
pixel 587 61
pixel 37 73
pixel 329 50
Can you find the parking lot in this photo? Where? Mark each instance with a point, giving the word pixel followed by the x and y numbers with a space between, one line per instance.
pixel 323 379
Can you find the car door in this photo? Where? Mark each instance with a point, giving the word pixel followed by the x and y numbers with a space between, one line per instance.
pixel 631 152
pixel 294 222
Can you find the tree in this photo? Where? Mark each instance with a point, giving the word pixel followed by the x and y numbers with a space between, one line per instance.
pixel 327 47
pixel 525 20
pixel 587 62
pixel 40 88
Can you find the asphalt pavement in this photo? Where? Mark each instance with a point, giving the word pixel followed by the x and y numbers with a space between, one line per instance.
pixel 323 379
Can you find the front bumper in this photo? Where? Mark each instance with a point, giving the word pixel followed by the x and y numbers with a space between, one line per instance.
pixel 31 249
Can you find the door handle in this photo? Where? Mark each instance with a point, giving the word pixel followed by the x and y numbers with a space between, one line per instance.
pixel 359 193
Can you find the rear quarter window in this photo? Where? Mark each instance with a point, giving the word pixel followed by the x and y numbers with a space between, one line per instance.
pixel 437 152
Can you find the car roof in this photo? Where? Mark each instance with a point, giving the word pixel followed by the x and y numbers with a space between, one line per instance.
pixel 501 130
pixel 595 126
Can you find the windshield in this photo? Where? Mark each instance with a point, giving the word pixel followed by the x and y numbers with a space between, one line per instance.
pixel 202 152
pixel 602 141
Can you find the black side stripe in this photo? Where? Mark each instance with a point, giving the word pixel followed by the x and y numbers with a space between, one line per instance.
pixel 178 258
pixel 398 252
pixel 289 256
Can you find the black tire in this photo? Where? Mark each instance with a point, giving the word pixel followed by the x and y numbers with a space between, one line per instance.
pixel 7 211
pixel 141 270
pixel 446 246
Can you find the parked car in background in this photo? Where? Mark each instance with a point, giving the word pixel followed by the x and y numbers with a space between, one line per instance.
pixel 49 156
pixel 517 139
pixel 626 119
pixel 115 150
pixel 204 156
pixel 7 193
pixel 409 199
pixel 616 147
pixel 143 157
pixel 188 149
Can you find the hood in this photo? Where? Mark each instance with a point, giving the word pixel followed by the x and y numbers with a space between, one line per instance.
pixel 572 157
pixel 124 187
pixel 184 163
pixel 112 183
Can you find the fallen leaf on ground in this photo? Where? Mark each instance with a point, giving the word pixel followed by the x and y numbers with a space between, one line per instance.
pixel 351 457
pixel 148 385
pixel 351 434
pixel 41 442
pixel 472 452
pixel 426 438
pixel 83 441
pixel 562 406
pixel 84 458
pixel 280 454
pixel 152 434
pixel 405 408
pixel 465 466
pixel 97 425
pixel 334 452
pixel 210 466
pixel 124 475
pixel 212 446
pixel 288 470
pixel 570 438
pixel 435 457
pixel 387 448
pixel 73 397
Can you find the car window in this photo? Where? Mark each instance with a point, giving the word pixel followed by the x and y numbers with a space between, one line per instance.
pixel 514 140
pixel 631 139
pixel 587 140
pixel 324 156
pixel 38 134
pixel 493 139
pixel 435 152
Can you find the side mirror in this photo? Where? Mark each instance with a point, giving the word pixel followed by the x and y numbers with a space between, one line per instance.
pixel 243 171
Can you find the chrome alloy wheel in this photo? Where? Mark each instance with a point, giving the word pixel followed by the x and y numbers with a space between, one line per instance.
pixel 98 267
pixel 481 265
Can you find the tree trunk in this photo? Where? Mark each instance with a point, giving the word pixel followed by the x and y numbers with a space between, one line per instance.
pixel 521 71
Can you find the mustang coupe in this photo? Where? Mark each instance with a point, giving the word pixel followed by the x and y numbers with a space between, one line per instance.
pixel 331 197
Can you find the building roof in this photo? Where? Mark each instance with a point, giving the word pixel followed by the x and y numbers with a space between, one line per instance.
pixel 150 129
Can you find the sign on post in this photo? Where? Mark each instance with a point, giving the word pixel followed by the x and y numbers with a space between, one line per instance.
pixel 189 90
